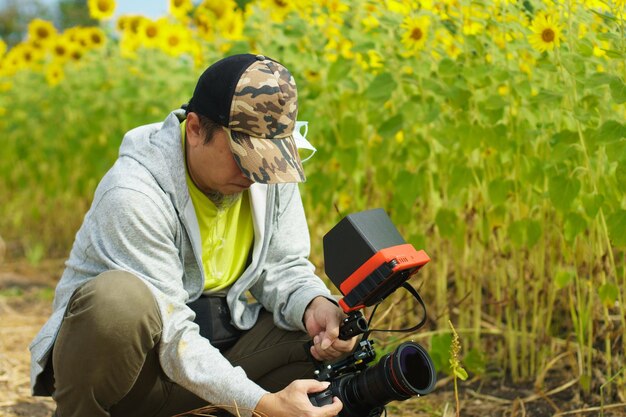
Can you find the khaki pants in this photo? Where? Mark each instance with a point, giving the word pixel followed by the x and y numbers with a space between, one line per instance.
pixel 105 360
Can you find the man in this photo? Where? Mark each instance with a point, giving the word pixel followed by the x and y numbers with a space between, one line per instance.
pixel 205 202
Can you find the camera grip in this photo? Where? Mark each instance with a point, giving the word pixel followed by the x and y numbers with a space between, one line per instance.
pixel 353 325
pixel 323 398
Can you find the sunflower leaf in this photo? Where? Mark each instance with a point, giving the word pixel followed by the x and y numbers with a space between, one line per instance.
pixel 616 223
pixel 575 224
pixel 381 88
pixel 391 126
pixel 563 278
pixel 611 53
pixel 608 294
pixel 618 90
pixel 563 190
pixel 620 176
pixel 597 79
pixel 585 47
pixel 610 131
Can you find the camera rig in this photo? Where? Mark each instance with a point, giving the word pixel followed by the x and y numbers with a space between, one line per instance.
pixel 367 259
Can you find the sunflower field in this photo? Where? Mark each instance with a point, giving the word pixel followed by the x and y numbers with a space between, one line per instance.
pixel 493 132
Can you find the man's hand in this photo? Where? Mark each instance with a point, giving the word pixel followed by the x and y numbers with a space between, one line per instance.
pixel 322 319
pixel 294 401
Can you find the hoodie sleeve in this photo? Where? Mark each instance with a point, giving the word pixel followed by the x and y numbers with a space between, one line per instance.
pixel 288 282
pixel 132 232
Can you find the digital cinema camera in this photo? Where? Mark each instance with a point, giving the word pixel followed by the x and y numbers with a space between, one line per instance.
pixel 367 260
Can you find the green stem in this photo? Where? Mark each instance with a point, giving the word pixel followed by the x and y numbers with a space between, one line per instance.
pixel 456 398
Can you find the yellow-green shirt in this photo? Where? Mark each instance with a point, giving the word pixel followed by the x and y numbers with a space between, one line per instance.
pixel 226 234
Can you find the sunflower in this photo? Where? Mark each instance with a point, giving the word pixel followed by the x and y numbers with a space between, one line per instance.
pixel 28 54
pixel 231 25
pixel 546 32
pixel 175 39
pixel 60 48
pixel 129 23
pixel 82 38
pixel 371 61
pixel 180 8
pixel 216 7
pixel 205 25
pixel 11 63
pixel 195 49
pixel 279 9
pixel 73 34
pixel 473 16
pixel 3 48
pixel 96 36
pixel 76 53
pixel 172 42
pixel 599 4
pixel 122 23
pixel 399 7
pixel 415 32
pixel 312 75
pixel 151 31
pixel 334 7
pixel 370 23
pixel 338 46
pixel 376 59
pixel 600 48
pixel 101 9
pixel 21 56
pixel 526 62
pixel 129 43
pixel 447 43
pixel 54 74
pixel 5 65
pixel 472 27
pixel 41 31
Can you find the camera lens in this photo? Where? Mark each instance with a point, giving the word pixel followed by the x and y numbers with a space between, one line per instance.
pixel 415 372
pixel 400 375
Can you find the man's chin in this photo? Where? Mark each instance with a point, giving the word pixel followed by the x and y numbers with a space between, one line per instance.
pixel 223 200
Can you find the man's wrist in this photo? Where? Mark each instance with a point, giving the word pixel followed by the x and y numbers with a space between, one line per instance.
pixel 266 405
pixel 309 309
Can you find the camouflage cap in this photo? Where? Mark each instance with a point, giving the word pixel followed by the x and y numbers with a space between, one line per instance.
pixel 256 99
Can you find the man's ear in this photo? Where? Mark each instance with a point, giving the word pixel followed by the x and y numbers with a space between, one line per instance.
pixel 195 136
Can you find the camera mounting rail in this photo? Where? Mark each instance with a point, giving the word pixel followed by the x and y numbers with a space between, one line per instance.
pixel 357 361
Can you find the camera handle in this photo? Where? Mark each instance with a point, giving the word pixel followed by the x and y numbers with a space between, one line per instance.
pixel 353 325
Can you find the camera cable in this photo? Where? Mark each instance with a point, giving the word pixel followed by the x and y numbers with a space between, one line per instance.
pixel 416 295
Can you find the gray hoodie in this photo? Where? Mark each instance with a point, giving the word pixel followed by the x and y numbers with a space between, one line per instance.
pixel 142 220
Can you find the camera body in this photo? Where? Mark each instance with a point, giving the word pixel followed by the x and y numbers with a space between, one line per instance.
pixel 367 259
pixel 406 372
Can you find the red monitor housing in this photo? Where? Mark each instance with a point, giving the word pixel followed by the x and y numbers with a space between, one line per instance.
pixel 367 259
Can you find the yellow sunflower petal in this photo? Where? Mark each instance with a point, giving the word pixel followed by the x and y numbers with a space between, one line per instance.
pixel 101 9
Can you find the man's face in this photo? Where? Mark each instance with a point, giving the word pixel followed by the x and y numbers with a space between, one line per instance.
pixel 212 166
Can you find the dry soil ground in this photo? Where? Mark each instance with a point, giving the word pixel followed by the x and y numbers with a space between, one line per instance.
pixel 25 302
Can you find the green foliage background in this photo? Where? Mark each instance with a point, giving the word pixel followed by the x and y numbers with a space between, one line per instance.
pixel 512 182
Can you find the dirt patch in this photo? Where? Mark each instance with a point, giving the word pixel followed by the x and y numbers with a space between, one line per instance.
pixel 22 317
